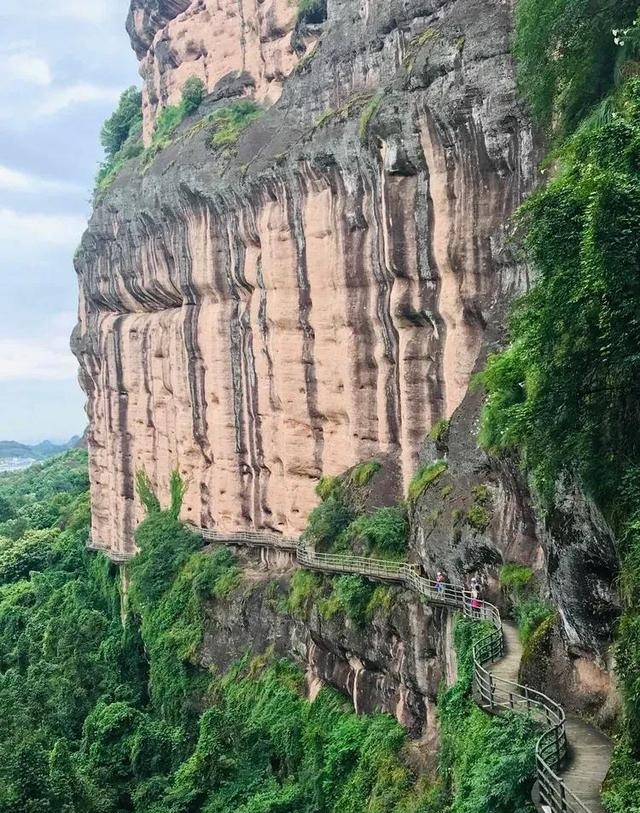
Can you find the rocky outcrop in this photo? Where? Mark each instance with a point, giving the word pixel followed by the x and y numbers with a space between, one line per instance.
pixel 479 514
pixel 213 40
pixel 395 663
pixel 320 294
pixel 572 675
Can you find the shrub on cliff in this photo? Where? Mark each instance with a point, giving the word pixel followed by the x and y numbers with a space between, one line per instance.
pixel 515 577
pixel 121 138
pixel 312 11
pixel 193 92
pixel 425 476
pixel 363 473
pixel 229 123
pixel 384 531
pixel 531 614
pixel 123 122
pixel 352 595
pixel 329 520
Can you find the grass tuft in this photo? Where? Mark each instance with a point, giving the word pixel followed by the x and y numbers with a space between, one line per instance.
pixel 362 474
pixel 424 477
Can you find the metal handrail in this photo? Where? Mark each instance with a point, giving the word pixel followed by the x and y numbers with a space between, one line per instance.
pixel 491 692
pixel 258 538
pixel 117 557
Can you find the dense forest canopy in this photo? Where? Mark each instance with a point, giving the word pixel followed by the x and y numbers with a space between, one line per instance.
pixel 97 715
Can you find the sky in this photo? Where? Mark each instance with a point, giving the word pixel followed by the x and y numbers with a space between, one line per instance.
pixel 63 66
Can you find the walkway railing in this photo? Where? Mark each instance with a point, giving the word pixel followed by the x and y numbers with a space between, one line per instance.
pixel 116 557
pixel 491 692
pixel 257 538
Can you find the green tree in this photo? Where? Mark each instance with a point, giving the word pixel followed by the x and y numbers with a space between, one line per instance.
pixel 193 92
pixel 6 510
pixel 25 778
pixel 122 123
pixel 65 787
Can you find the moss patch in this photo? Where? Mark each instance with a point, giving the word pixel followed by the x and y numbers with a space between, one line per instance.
pixel 361 475
pixel 425 477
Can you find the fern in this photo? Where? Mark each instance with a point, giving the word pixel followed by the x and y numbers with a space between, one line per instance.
pixel 146 493
pixel 177 489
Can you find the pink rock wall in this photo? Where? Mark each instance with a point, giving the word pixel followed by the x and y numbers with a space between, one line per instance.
pixel 211 39
pixel 327 307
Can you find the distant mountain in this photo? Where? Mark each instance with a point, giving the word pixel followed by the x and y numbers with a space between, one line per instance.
pixel 40 451
pixel 11 448
pixel 48 449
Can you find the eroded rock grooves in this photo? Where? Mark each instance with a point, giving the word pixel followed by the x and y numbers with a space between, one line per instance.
pixel 319 296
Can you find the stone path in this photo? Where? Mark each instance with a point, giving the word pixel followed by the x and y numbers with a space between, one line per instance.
pixel 589 749
pixel 589 760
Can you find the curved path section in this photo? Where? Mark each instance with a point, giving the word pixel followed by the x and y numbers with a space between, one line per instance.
pixel 584 764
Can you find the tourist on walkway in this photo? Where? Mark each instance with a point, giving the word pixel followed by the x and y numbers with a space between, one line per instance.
pixel 439 582
pixel 476 604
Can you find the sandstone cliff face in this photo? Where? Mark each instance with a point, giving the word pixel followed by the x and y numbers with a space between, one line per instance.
pixel 210 39
pixel 319 296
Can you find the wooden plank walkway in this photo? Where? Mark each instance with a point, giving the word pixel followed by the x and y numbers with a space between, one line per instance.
pixel 588 762
pixel 589 754
pixel 508 668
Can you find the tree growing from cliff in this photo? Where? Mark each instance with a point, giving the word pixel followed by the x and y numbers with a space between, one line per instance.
pixel 193 92
pixel 122 123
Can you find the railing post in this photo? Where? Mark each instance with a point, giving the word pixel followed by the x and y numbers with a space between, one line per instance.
pixel 563 797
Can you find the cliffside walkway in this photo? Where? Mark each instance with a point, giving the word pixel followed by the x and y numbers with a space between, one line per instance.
pixel 584 762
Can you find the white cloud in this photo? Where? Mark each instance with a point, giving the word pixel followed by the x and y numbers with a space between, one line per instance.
pixel 15 181
pixel 81 93
pixel 47 359
pixel 27 68
pixel 34 229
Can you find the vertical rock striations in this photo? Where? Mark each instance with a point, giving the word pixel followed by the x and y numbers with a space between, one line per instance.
pixel 319 295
